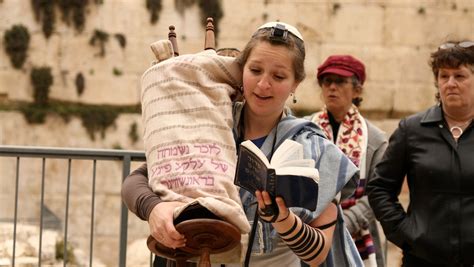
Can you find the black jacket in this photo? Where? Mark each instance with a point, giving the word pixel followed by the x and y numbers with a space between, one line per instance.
pixel 438 225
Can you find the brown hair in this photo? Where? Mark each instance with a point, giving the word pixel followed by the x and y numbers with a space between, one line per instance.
pixel 293 43
pixel 356 83
pixel 451 57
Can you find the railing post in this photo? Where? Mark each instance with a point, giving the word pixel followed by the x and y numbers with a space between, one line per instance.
pixel 70 154
pixel 15 216
pixel 124 217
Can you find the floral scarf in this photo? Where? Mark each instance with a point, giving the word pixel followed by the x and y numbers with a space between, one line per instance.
pixel 352 140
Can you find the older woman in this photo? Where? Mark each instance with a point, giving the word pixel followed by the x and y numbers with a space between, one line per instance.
pixel 341 78
pixel 434 149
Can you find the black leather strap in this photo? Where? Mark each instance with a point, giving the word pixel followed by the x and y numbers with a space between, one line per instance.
pixel 327 225
pixel 251 238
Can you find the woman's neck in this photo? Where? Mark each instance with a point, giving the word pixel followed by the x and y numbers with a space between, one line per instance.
pixel 338 115
pixel 458 117
pixel 256 127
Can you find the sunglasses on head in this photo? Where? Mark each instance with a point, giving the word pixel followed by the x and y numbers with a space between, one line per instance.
pixel 338 80
pixel 465 44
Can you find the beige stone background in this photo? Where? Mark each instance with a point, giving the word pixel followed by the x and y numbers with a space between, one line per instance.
pixel 393 37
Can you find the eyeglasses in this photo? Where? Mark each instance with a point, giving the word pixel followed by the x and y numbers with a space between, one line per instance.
pixel 327 81
pixel 465 44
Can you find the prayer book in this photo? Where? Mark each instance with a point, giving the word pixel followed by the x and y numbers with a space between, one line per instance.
pixel 288 174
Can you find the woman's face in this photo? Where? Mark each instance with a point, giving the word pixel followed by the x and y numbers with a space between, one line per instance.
pixel 268 79
pixel 456 88
pixel 338 92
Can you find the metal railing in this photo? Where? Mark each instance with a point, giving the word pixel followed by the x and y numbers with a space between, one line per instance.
pixel 70 154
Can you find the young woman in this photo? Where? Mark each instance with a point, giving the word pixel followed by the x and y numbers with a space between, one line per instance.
pixel 272 67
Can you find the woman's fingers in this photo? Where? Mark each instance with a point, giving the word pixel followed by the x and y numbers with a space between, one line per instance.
pixel 161 225
pixel 261 202
pixel 267 208
pixel 172 238
pixel 267 200
pixel 281 205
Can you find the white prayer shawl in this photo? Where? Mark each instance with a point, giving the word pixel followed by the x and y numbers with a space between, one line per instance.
pixel 187 118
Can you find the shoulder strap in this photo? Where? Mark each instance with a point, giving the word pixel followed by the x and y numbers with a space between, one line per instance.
pixel 251 238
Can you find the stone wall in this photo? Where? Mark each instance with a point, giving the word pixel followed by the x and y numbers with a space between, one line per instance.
pixel 393 37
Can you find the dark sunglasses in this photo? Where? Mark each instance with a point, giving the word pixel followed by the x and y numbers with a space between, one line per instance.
pixel 465 44
pixel 327 81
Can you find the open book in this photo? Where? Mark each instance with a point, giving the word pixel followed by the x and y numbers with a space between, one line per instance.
pixel 288 175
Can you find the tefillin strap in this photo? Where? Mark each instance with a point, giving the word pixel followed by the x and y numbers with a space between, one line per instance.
pixel 279 33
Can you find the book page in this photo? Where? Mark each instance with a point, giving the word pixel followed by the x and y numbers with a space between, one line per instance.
pixel 303 172
pixel 252 147
pixel 310 163
pixel 288 150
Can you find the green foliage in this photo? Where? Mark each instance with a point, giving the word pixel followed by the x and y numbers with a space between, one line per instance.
pixel 44 12
pixel 421 10
pixel 154 7
pixel 335 8
pixel 213 9
pixel 34 113
pixel 97 119
pixel 121 39
pixel 70 9
pixel 181 5
pixel 209 8
pixel 80 83
pixel 41 79
pixel 69 250
pixel 117 146
pixel 117 72
pixel 99 38
pixel 75 10
pixel 133 133
pixel 16 41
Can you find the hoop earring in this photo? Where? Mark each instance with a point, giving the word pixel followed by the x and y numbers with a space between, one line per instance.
pixel 294 99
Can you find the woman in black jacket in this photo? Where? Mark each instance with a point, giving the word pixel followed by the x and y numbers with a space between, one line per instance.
pixel 434 149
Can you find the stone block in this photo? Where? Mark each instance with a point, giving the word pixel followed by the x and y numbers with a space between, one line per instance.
pixel 355 25
pixel 378 97
pixel 425 26
pixel 413 97
pixel 308 96
pixel 16 85
pixel 110 89
pixel 398 64
pixel 44 52
pixel 12 11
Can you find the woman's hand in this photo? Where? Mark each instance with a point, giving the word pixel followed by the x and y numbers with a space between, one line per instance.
pixel 161 225
pixel 265 203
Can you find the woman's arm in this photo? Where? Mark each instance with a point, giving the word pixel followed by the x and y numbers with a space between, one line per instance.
pixel 385 186
pixel 137 194
pixel 310 242
pixel 142 201
pixel 360 215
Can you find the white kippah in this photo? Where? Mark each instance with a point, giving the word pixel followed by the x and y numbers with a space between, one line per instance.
pixel 289 27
